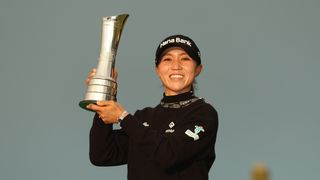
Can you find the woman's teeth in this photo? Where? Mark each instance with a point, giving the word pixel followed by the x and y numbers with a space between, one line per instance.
pixel 176 76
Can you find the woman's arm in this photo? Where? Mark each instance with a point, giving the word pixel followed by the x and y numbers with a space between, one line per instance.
pixel 108 147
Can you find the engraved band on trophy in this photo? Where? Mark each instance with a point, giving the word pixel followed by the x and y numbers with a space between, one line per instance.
pixel 102 86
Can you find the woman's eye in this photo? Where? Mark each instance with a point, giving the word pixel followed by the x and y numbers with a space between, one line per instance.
pixel 185 58
pixel 166 59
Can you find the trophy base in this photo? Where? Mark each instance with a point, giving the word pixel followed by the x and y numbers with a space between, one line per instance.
pixel 99 90
pixel 83 104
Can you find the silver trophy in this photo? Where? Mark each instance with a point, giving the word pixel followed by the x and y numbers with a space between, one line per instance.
pixel 103 86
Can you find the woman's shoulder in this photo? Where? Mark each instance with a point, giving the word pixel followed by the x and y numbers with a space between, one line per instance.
pixel 204 106
pixel 145 110
pixel 206 113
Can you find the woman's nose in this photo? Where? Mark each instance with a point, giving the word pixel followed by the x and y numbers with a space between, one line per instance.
pixel 176 64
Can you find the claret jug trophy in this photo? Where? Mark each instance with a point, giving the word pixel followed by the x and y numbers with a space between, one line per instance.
pixel 103 86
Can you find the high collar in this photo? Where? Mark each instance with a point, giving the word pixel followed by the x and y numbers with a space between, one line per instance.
pixel 180 97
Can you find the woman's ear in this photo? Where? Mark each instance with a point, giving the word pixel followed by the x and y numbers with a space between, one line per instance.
pixel 156 70
pixel 198 69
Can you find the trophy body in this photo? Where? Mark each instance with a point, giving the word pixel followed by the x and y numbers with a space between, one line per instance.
pixel 102 86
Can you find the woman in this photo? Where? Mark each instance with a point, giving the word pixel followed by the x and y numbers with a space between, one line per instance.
pixel 174 140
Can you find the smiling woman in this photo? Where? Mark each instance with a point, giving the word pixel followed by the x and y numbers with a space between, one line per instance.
pixel 172 141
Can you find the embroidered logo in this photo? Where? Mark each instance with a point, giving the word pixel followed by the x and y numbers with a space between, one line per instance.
pixel 194 135
pixel 171 125
pixel 145 124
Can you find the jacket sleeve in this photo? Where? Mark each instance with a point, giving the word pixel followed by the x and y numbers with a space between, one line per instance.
pixel 191 141
pixel 108 147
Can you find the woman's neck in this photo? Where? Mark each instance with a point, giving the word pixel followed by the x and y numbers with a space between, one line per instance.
pixel 168 92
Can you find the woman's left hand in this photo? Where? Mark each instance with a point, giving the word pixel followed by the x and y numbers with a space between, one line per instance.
pixel 108 111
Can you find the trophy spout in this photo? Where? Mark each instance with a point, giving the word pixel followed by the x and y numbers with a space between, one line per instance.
pixel 102 86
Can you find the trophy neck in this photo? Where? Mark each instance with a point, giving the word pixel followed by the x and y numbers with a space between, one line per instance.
pixel 112 27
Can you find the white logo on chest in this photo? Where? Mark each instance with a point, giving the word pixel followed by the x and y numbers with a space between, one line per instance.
pixel 171 125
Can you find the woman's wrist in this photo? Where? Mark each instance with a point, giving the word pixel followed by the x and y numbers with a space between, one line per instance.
pixel 122 116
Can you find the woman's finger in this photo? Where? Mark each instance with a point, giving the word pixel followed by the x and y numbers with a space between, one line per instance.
pixel 94 107
pixel 90 76
pixel 105 103
pixel 115 74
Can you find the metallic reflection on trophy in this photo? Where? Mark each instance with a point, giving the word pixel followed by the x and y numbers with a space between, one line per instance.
pixel 102 86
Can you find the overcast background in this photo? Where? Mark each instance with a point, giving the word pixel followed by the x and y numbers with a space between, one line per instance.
pixel 261 72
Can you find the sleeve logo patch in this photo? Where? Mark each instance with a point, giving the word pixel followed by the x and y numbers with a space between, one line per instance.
pixel 194 135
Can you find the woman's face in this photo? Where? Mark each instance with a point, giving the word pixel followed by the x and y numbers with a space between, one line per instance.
pixel 177 71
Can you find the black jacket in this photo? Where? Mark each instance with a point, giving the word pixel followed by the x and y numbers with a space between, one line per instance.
pixel 160 143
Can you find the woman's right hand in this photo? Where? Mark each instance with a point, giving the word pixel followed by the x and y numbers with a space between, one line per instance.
pixel 90 76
